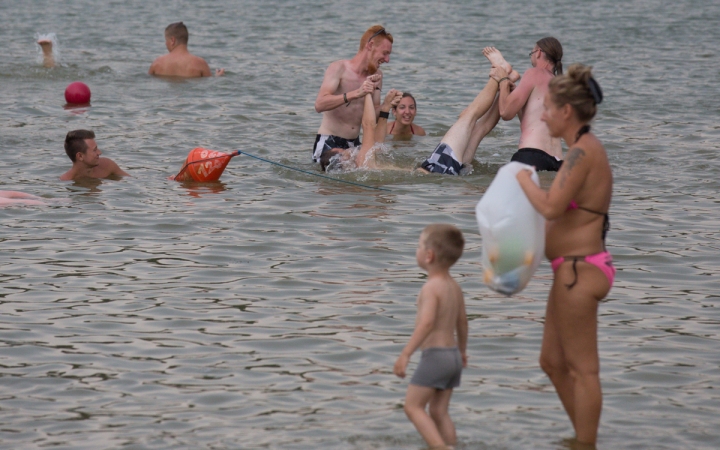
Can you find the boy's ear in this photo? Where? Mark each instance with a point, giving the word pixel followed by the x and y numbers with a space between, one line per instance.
pixel 430 256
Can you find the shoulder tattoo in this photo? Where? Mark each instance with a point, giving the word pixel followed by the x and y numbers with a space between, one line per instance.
pixel 574 155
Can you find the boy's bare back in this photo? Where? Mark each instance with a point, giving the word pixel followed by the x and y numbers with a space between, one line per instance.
pixel 441 331
pixel 441 320
pixel 442 297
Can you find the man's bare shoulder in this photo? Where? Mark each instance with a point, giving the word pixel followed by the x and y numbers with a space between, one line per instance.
pixel 536 76
pixel 107 168
pixel 337 67
pixel 156 64
pixel 200 64
pixel 440 286
pixel 197 59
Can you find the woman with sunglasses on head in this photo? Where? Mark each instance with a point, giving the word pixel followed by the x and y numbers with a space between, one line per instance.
pixel 576 208
pixel 403 128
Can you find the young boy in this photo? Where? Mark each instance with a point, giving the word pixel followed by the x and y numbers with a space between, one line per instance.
pixel 440 317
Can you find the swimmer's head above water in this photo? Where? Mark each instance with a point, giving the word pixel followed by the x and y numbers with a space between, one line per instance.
pixel 75 142
pixel 83 151
pixel 176 33
pixel 406 110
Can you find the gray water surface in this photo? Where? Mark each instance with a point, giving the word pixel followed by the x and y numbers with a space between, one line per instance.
pixel 266 311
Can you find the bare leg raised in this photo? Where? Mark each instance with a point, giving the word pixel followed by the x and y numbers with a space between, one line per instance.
pixel 459 135
pixel 369 124
pixel 482 127
pixel 47 49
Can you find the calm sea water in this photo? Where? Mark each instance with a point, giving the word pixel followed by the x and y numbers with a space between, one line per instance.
pixel 266 311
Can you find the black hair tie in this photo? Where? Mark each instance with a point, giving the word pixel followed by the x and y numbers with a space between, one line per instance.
pixel 595 90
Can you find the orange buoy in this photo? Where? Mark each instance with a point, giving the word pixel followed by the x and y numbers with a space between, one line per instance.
pixel 204 165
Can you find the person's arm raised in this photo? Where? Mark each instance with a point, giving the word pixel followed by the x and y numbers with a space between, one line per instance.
pixel 392 99
pixel 327 99
pixel 512 100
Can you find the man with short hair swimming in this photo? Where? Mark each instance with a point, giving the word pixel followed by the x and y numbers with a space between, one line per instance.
pixel 344 85
pixel 84 153
pixel 179 62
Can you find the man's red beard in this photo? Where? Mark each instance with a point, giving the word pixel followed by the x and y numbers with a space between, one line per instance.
pixel 372 68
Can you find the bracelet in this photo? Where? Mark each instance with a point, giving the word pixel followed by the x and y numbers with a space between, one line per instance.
pixel 384 115
pixel 347 102
pixel 502 79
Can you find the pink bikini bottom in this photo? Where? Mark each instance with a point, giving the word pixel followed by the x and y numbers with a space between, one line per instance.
pixel 602 261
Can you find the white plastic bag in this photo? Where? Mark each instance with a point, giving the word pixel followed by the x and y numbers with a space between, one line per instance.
pixel 513 232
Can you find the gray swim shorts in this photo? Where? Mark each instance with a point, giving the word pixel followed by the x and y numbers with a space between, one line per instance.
pixel 439 368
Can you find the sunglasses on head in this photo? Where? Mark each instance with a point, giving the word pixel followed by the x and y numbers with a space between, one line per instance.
pixel 377 33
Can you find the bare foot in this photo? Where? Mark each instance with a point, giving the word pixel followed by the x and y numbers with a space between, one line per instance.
pixel 47 49
pixel 496 58
pixel 514 76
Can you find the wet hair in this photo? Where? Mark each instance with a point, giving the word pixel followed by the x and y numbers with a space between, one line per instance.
pixel 326 156
pixel 553 52
pixel 407 94
pixel 375 31
pixel 75 142
pixel 179 31
pixel 446 241
pixel 579 89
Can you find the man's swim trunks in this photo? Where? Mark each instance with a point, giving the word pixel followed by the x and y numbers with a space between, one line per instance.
pixel 325 142
pixel 538 158
pixel 439 368
pixel 442 160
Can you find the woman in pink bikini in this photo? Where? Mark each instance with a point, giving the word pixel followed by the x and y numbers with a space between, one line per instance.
pixel 576 208
pixel 402 128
